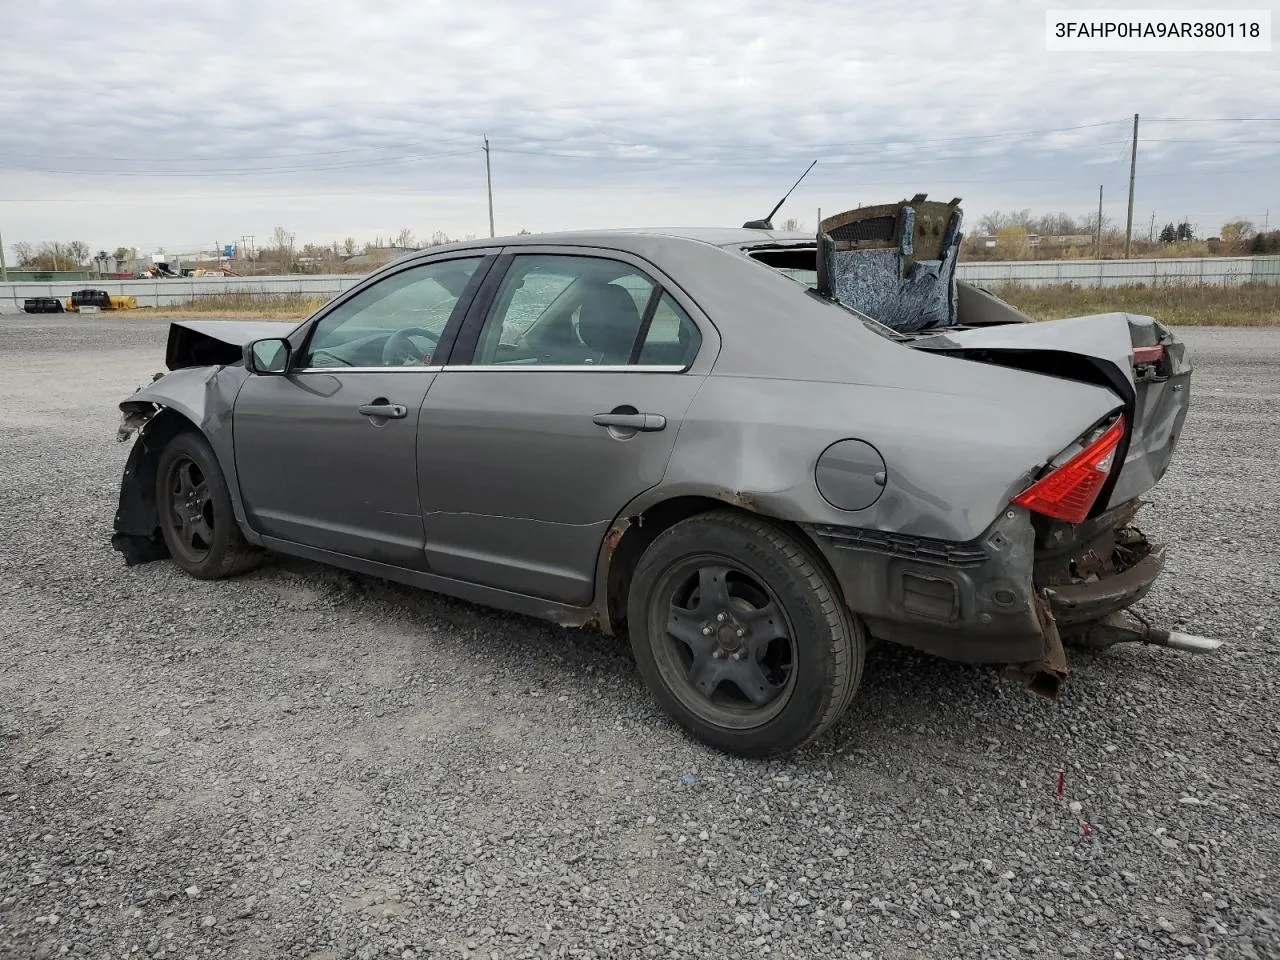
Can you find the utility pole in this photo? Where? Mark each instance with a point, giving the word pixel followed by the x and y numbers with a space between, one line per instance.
pixel 488 178
pixel 1133 169
pixel 1099 243
pixel 4 269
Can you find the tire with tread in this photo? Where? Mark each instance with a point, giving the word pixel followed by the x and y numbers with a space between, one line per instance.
pixel 230 553
pixel 829 642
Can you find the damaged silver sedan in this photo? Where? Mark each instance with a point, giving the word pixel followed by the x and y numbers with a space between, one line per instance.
pixel 754 452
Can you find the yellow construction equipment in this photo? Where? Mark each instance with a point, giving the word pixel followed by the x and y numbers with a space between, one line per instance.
pixel 99 300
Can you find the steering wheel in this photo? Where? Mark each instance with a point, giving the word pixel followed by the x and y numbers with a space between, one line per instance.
pixel 401 351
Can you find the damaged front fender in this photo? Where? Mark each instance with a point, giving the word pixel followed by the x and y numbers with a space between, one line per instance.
pixel 190 398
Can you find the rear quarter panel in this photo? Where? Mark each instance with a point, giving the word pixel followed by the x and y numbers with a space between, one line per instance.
pixel 953 461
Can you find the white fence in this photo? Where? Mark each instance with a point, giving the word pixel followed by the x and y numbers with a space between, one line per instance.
pixel 1213 271
pixel 1223 271
pixel 175 290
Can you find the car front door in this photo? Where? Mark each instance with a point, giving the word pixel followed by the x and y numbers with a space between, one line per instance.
pixel 560 404
pixel 327 453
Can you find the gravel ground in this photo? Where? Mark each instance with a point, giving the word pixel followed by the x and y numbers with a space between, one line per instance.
pixel 304 763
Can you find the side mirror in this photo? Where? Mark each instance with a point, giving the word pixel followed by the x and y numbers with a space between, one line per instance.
pixel 268 357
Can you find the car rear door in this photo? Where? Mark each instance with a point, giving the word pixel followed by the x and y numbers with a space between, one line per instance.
pixel 326 455
pixel 561 404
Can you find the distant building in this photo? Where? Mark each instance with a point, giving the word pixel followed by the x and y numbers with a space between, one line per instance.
pixel 1036 239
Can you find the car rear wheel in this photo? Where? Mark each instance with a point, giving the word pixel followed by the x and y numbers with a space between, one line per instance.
pixel 194 507
pixel 741 635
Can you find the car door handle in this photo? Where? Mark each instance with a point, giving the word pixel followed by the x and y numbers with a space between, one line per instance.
pixel 384 410
pixel 647 422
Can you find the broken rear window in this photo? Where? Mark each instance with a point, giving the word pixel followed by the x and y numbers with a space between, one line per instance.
pixel 801 265
pixel 798 263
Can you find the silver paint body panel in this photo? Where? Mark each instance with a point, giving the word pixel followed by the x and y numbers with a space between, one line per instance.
pixel 498 486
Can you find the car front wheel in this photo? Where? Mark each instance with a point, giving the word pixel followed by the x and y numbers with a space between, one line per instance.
pixel 741 635
pixel 194 507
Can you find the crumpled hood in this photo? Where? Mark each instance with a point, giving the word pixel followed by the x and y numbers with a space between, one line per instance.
pixel 202 343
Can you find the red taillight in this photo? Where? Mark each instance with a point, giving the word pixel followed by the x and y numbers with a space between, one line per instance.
pixel 1145 355
pixel 1069 491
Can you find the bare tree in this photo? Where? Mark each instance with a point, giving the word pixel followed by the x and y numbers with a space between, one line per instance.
pixel 1090 224
pixel 404 239
pixel 1055 225
pixel 992 223
pixel 792 225
pixel 349 246
pixel 55 255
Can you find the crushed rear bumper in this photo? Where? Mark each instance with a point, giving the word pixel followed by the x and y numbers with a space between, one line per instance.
pixel 1082 603
pixel 1008 597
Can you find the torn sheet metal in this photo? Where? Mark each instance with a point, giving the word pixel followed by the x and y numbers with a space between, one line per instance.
pixel 1156 403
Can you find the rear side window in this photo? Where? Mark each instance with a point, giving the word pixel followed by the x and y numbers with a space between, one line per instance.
pixel 582 311
pixel 673 339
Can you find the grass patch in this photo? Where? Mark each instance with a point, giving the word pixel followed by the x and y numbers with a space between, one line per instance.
pixel 1248 305
pixel 251 304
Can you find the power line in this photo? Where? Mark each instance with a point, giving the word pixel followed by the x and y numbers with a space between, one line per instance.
pixel 797 151
pixel 241 171
pixel 1216 140
pixel 1213 120
pixel 572 139
pixel 802 146
pixel 231 159
pixel 842 143
pixel 596 158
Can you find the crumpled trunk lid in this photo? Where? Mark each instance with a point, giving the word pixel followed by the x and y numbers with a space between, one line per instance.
pixel 1116 350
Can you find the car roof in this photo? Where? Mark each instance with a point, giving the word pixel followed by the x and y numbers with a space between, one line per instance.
pixel 709 265
pixel 733 238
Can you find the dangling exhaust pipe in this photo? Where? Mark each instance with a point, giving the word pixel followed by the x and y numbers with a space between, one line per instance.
pixel 1125 627
pixel 1045 676
pixel 1180 641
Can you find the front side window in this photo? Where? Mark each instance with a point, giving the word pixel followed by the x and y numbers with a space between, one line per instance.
pixel 578 311
pixel 397 322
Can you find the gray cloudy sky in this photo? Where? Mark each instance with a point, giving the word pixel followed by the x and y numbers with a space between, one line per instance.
pixel 180 124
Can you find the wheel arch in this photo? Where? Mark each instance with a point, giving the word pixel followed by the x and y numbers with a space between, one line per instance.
pixel 137 520
pixel 633 531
